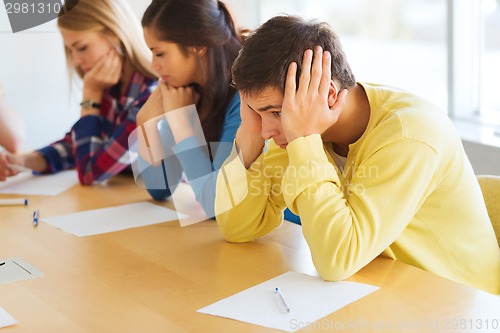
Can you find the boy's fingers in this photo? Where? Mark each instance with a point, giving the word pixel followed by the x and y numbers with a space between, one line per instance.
pixel 326 74
pixel 305 75
pixel 316 68
pixel 290 84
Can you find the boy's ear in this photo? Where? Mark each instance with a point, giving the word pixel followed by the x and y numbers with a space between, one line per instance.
pixel 332 94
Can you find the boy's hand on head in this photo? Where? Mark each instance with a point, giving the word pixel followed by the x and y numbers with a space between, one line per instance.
pixel 305 110
pixel 249 138
pixel 251 122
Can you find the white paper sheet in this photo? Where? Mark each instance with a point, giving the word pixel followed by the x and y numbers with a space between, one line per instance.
pixel 16 269
pixel 29 184
pixel 309 298
pixel 100 221
pixel 6 319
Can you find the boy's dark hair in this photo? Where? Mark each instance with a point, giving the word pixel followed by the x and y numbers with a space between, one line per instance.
pixel 266 54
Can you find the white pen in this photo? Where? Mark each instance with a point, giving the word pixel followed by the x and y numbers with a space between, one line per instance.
pixel 14 202
pixel 35 218
pixel 281 299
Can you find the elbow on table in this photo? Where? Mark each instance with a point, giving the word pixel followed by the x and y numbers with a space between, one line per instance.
pixel 159 194
pixel 237 240
pixel 85 181
pixel 89 180
pixel 333 271
pixel 334 276
pixel 231 235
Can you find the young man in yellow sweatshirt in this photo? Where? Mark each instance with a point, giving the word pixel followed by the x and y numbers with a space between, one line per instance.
pixel 369 169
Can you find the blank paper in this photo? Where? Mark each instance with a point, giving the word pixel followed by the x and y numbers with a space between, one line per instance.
pixel 30 184
pixel 309 298
pixel 16 269
pixel 100 221
pixel 6 319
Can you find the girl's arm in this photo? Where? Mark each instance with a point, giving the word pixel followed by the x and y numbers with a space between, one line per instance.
pixel 99 156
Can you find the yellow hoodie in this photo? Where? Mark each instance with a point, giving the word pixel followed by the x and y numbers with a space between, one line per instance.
pixel 407 190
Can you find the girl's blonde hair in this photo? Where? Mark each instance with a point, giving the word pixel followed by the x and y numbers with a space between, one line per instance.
pixel 112 18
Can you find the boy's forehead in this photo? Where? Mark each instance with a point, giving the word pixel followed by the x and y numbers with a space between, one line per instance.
pixel 266 96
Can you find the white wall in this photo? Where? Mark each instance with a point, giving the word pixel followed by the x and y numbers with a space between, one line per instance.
pixel 245 12
pixel 33 74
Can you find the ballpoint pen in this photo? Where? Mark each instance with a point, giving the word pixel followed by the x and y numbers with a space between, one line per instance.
pixel 13 202
pixel 35 218
pixel 281 299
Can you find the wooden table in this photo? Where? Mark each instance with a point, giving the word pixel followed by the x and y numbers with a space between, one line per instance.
pixel 153 279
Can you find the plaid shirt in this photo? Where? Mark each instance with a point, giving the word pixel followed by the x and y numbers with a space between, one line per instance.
pixel 98 144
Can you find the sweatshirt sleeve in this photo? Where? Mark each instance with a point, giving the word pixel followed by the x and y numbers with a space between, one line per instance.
pixel 348 226
pixel 249 203
pixel 58 155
